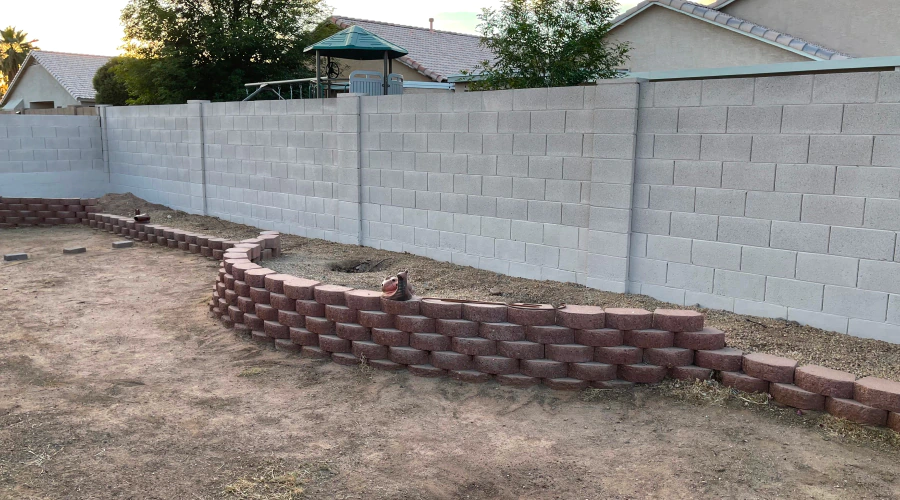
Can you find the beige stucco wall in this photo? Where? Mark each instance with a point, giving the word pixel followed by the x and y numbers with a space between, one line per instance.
pixel 867 28
pixel 663 40
pixel 36 84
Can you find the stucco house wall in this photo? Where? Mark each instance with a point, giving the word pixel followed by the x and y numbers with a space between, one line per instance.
pixel 36 84
pixel 664 40
pixel 861 29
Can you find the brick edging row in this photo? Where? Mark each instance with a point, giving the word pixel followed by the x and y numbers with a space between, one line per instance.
pixel 570 349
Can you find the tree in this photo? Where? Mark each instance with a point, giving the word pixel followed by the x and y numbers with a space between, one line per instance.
pixel 208 49
pixel 110 86
pixel 548 43
pixel 14 47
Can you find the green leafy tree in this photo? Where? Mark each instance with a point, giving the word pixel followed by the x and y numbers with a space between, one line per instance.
pixel 548 43
pixel 110 87
pixel 208 49
pixel 14 48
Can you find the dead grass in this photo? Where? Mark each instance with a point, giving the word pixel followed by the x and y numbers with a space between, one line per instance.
pixel 275 481
pixel 252 371
pixel 364 370
pixel 880 437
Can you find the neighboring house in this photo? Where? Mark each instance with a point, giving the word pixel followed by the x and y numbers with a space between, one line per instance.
pixel 434 55
pixel 53 80
pixel 674 34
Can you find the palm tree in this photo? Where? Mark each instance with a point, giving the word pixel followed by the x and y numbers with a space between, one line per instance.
pixel 14 47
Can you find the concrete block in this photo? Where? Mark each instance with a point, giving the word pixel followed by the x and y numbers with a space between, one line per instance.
pixel 501 100
pixel 726 147
pixel 744 231
pixel 615 96
pixel 530 232
pixel 541 255
pixel 514 122
pixel 548 122
pixel 886 151
pixel 16 256
pixel 667 248
pixel 614 220
pixel 641 196
pixel 580 121
pixel 809 179
pixel 545 167
pixel 824 321
pixel 811 238
pixel 727 91
pixel 528 189
pixel 483 123
pixel 845 88
pixel 497 186
pixel 795 89
pixel 677 146
pixel 780 148
pixel 813 119
pixel 611 121
pixel 512 209
pixel 841 149
pixel 123 244
pixel 882 214
pixel 768 261
pixel 545 211
pixel 720 201
pixel 695 226
pixel 673 198
pixel 749 176
pixel 664 293
pixel 638 245
pixel 792 293
pixel 893 312
pixel 870 182
pixel 688 277
pixel 761 309
pixel 856 303
pixel 835 210
pixel 702 120
pixel 566 98
pixel 479 245
pixel 644 145
pixel 658 121
pixel 739 285
pixel 610 146
pixel 649 221
pixel 530 99
pixel 495 144
pixel 874 330
pixel 653 171
pixel 677 93
pixel 827 269
pixel 879 276
pixel 602 195
pixel 565 144
pixel 708 301
pixel 863 243
pixel 717 255
pixel 774 206
pixel 74 250
pixel 754 120
pixel 530 144
pixel 648 271
pixel 513 251
pixel 561 236
pixel 698 173
pixel 881 119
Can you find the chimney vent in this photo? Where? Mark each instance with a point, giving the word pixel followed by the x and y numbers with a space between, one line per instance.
pixel 431 22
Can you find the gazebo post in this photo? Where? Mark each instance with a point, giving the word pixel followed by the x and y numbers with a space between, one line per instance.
pixel 386 72
pixel 318 76
pixel 328 78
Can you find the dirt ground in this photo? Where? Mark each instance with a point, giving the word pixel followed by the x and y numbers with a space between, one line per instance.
pixel 115 383
pixel 326 261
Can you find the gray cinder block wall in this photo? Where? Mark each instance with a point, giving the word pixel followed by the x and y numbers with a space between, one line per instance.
pixel 771 196
pixel 51 156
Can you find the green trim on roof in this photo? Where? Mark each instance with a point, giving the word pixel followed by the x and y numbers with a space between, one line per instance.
pixel 357 43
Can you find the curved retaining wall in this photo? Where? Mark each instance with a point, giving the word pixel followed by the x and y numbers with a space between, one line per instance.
pixel 573 347
pixel 569 348
pixel 25 212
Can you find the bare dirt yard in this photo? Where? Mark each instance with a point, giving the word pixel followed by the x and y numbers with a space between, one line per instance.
pixel 115 383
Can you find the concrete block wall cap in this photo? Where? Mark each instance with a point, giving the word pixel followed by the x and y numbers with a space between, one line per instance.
pixel 825 381
pixel 610 81
pixel 770 368
pixel 879 393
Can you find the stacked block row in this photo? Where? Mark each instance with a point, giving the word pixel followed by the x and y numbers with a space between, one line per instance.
pixel 267 245
pixel 573 347
pixel 27 212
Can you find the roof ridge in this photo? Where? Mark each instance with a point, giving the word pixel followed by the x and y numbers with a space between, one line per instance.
pixel 404 26
pixel 70 53
pixel 736 23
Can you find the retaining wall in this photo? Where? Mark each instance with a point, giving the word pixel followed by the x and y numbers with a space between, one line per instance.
pixel 770 196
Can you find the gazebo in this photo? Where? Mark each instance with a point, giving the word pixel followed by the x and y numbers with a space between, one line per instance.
pixel 358 44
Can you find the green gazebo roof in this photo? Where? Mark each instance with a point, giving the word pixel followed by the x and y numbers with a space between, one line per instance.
pixel 357 43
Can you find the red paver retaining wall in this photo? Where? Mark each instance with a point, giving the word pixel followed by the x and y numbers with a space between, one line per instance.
pixel 568 348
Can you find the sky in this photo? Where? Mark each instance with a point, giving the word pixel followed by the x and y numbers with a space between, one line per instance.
pixel 93 27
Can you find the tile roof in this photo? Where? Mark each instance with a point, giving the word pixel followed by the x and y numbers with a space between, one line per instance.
pixel 726 21
pixel 435 54
pixel 75 72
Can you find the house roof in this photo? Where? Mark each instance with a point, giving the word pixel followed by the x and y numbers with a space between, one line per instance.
pixel 735 24
pixel 435 54
pixel 357 43
pixel 75 72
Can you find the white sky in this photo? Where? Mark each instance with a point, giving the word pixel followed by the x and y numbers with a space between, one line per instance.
pixel 93 27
